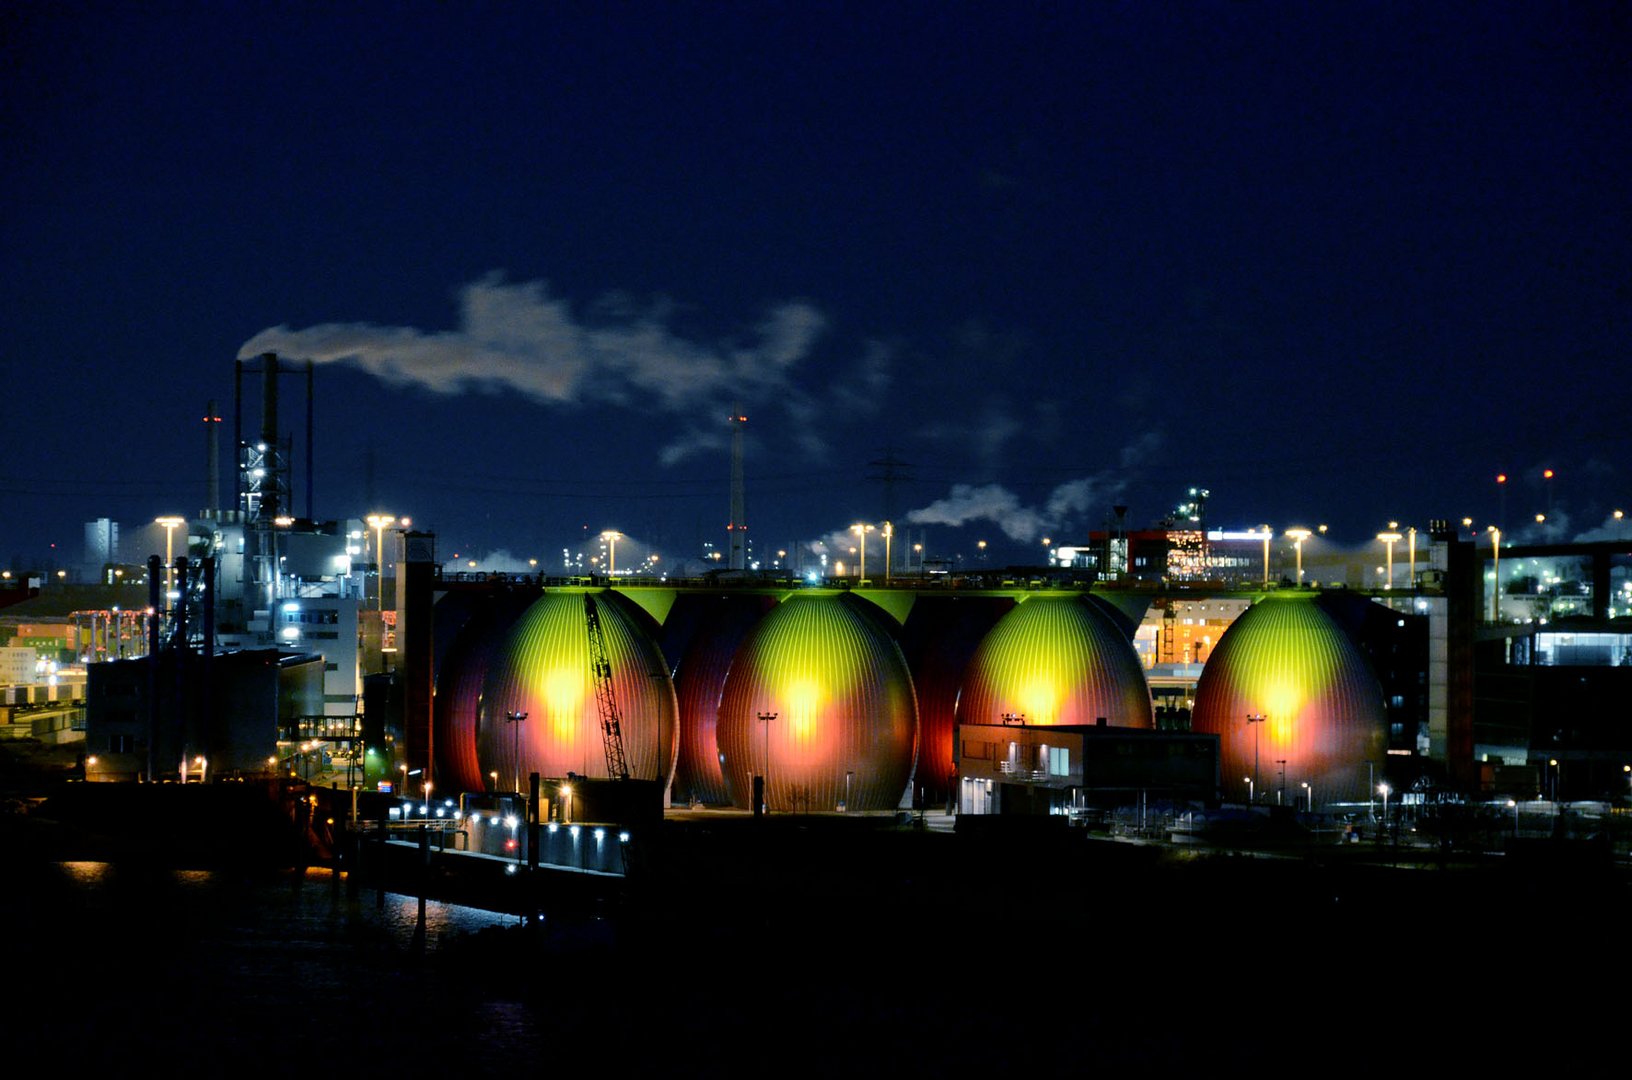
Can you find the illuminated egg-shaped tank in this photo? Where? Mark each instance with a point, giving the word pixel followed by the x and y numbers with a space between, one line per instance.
pixel 542 670
pixel 938 639
pixel 1056 659
pixel 840 719
pixel 1289 662
pixel 698 683
pixel 460 674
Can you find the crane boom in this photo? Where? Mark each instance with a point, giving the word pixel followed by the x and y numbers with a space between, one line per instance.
pixel 611 724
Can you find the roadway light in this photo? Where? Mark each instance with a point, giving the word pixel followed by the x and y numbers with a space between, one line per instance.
pixel 171 523
pixel 612 536
pixel 1298 535
pixel 379 523
pixel 1390 538
pixel 862 530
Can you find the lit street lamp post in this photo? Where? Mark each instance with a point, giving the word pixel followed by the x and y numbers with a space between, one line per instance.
pixel 1383 789
pixel 379 523
pixel 1280 789
pixel 171 523
pixel 1495 574
pixel 1411 539
pixel 515 720
pixel 862 531
pixel 1248 781
pixel 612 537
pixel 1267 534
pixel 1309 791
pixel 765 718
pixel 1390 538
pixel 1298 537
pixel 1254 721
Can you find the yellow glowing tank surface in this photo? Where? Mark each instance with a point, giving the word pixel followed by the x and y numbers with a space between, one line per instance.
pixel 1055 660
pixel 1288 662
pixel 543 669
pixel 841 720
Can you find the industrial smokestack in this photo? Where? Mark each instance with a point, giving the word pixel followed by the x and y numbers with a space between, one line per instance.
pixel 212 457
pixel 269 432
pixel 737 530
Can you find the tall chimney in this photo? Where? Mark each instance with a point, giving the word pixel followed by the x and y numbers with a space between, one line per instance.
pixel 737 530
pixel 270 508
pixel 212 454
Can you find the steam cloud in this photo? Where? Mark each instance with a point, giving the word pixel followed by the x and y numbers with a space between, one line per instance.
pixel 1068 503
pixel 520 338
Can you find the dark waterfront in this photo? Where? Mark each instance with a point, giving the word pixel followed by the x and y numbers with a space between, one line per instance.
pixel 792 949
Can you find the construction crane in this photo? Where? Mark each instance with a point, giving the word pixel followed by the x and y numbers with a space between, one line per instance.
pixel 611 725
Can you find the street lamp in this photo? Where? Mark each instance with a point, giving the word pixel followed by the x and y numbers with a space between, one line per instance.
pixel 379 523
pixel 1309 791
pixel 766 718
pixel 1552 763
pixel 889 532
pixel 1411 538
pixel 1268 532
pixel 980 546
pixel 1254 721
pixel 1390 538
pixel 1248 781
pixel 171 523
pixel 862 530
pixel 1280 789
pixel 1383 790
pixel 1514 804
pixel 1495 573
pixel 515 720
pixel 1298 536
pixel 612 537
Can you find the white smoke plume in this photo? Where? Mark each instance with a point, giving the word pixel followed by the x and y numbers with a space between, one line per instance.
pixel 987 502
pixel 1611 528
pixel 1066 505
pixel 519 337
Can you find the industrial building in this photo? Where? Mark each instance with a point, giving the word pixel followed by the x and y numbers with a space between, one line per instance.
pixel 1312 695
pixel 1499 669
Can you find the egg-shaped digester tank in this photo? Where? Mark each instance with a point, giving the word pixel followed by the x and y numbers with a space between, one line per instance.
pixel 1287 661
pixel 1056 659
pixel 939 638
pixel 543 670
pixel 699 682
pixel 460 675
pixel 840 720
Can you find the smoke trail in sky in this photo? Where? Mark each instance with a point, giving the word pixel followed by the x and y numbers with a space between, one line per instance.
pixel 1068 504
pixel 519 337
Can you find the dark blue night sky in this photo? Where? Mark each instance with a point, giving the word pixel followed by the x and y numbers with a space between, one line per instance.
pixel 1337 263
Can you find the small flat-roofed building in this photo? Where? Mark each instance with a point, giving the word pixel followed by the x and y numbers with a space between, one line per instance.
pixel 1026 769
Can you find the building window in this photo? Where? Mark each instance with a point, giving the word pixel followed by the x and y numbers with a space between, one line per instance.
pixel 1059 761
